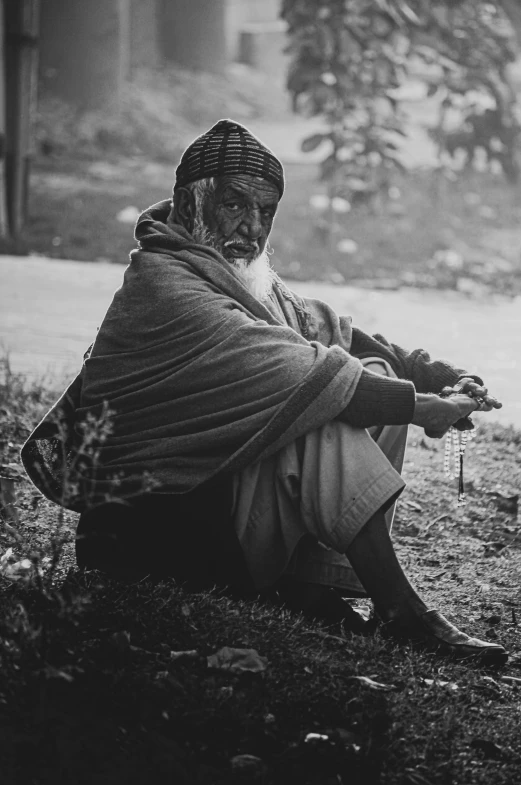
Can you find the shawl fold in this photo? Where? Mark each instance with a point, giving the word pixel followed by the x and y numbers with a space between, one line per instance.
pixel 199 377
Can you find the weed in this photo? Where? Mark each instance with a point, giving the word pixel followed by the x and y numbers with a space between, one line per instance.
pixel 90 690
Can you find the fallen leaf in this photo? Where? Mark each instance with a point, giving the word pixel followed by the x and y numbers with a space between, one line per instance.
pixel 4 559
pixel 18 571
pixel 439 683
pixel 189 654
pixel 314 738
pixel 435 521
pixel 373 685
pixel 247 764
pixel 432 576
pixel 238 660
pixel 57 673
pixel 413 505
pixel 514 680
pixel 365 611
pixel 490 680
pixel 416 778
pixel 141 650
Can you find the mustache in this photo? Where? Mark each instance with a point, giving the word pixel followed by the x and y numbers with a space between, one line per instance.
pixel 253 246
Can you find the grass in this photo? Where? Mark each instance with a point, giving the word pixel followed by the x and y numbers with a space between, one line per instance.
pixel 458 235
pixel 90 692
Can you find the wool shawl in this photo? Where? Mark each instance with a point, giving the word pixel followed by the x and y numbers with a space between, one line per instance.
pixel 200 377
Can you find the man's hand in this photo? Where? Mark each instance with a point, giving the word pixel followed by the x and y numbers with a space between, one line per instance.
pixel 471 387
pixel 436 415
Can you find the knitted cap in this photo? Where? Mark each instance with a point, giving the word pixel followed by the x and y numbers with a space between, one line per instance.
pixel 228 148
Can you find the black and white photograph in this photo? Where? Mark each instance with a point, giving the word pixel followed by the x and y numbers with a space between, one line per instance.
pixel 260 392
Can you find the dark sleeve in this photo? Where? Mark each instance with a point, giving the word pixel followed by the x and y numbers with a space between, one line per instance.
pixel 428 376
pixel 379 400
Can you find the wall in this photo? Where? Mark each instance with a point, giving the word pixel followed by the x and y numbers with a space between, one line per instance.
pixel 193 33
pixel 239 12
pixel 145 27
pixel 80 51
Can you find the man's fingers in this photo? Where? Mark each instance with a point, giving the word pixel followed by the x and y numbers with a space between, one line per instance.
pixel 488 403
pixel 470 386
pixel 476 389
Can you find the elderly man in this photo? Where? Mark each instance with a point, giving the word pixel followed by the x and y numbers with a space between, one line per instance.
pixel 254 438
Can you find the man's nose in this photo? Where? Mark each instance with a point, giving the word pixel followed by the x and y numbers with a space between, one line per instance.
pixel 252 225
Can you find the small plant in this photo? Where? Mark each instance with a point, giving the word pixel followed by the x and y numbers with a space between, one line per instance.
pixel 350 60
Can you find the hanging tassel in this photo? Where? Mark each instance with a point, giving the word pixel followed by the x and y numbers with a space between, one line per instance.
pixel 455 446
pixel 461 486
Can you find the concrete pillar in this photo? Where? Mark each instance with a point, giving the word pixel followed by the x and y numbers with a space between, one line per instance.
pixel 21 57
pixel 145 27
pixel 84 50
pixel 193 33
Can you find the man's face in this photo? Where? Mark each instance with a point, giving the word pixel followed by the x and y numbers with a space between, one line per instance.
pixel 239 215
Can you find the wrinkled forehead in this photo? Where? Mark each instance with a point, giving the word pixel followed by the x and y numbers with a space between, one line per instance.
pixel 248 187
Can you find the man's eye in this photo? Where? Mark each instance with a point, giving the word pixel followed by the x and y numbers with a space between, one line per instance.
pixel 268 214
pixel 233 206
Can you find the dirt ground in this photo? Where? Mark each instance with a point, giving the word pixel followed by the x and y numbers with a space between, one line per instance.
pixel 93 686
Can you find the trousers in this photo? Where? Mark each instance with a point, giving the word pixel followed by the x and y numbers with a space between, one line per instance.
pixel 297 511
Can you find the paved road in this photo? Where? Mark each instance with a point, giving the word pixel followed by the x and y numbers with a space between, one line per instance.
pixel 49 311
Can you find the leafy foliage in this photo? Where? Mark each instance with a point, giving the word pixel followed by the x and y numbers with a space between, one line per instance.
pixel 350 57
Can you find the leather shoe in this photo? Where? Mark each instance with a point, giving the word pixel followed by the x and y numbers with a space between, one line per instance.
pixel 433 629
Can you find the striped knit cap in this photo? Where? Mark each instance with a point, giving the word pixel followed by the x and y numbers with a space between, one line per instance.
pixel 228 148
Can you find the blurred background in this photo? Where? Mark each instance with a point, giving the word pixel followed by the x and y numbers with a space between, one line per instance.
pixel 397 122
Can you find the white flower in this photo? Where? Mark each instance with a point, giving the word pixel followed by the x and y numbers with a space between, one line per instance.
pixel 347 246
pixel 345 154
pixel 128 215
pixel 329 78
pixel 319 201
pixel 340 205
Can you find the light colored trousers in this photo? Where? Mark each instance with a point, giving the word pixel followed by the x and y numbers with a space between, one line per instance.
pixel 298 511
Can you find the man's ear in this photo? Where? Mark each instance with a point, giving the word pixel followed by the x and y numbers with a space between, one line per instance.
pixel 183 209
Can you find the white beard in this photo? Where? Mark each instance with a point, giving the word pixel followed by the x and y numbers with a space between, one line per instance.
pixel 257 276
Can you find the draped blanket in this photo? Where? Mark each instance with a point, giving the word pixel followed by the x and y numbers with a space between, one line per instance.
pixel 200 377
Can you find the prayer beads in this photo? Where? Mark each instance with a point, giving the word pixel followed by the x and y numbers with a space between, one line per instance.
pixel 455 446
